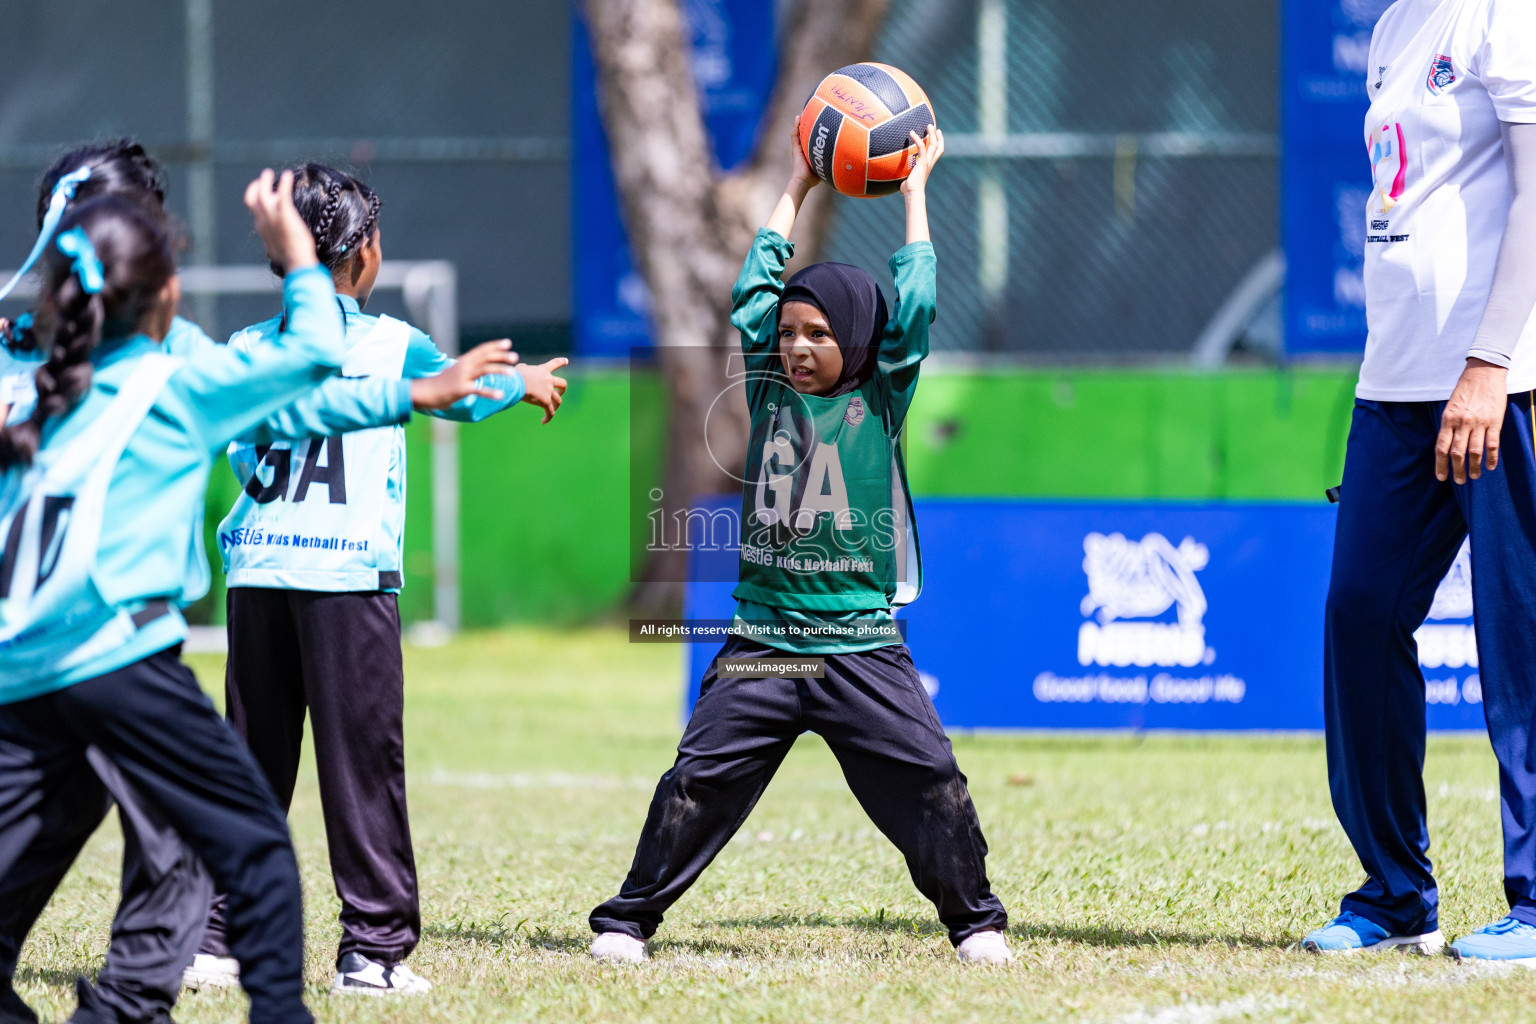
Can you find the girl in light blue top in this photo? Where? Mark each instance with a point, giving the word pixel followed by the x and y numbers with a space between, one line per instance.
pixel 312 549
pixel 100 491
pixel 161 916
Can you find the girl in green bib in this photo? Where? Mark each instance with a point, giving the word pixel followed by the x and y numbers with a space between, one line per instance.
pixel 828 549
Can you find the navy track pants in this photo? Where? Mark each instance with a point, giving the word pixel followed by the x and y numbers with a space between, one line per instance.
pixel 1399 530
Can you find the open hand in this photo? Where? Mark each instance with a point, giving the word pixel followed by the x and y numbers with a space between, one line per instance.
pixel 929 149
pixel 462 379
pixel 1470 425
pixel 287 237
pixel 545 390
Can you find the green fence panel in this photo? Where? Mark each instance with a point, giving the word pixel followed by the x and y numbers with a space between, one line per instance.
pixel 1237 435
pixel 546 528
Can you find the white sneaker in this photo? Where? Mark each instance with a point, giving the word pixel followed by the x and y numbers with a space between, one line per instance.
pixel 209 971
pixel 357 975
pixel 985 948
pixel 407 982
pixel 618 948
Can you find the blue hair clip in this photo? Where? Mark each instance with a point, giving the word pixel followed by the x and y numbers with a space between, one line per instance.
pixel 19 326
pixel 87 267
pixel 63 192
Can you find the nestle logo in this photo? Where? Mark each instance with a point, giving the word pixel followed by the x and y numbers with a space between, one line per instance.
pixel 1380 225
pixel 1142 579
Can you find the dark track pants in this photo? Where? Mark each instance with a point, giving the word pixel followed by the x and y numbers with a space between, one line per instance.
pixel 338 656
pixel 153 725
pixel 1398 531
pixel 159 921
pixel 873 712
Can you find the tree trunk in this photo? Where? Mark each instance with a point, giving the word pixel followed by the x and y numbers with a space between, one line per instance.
pixel 690 226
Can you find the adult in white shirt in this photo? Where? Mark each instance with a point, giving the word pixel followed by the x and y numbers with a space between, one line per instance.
pixel 1440 447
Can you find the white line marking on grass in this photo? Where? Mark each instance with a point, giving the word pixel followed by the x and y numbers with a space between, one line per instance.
pixel 1203 828
pixel 1204 1013
pixel 533 780
pixel 1407 971
pixel 1373 980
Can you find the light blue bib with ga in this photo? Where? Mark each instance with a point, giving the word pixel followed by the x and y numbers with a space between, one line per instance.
pixel 314 514
pixel 52 616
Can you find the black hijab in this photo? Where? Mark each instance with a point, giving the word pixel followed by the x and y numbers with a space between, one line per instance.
pixel 855 310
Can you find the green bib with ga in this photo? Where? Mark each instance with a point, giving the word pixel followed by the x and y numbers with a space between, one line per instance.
pixel 826 519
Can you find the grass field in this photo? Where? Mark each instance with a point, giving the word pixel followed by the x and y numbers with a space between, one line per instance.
pixel 1151 880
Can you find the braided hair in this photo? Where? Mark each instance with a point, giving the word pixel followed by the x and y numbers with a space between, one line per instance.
pixel 134 249
pixel 119 167
pixel 341 211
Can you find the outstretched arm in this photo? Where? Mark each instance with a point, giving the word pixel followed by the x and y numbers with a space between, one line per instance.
pixel 914 190
pixel 801 180
pixel 340 405
pixel 761 281
pixel 904 345
pixel 484 378
pixel 228 392
pixel 423 359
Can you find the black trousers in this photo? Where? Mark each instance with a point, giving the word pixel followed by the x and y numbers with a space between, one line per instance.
pixel 160 919
pixel 151 723
pixel 338 657
pixel 873 712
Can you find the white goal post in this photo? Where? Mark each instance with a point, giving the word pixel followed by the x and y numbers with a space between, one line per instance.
pixel 431 293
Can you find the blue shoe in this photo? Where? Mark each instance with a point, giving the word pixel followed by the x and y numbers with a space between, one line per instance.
pixel 1351 933
pixel 1507 941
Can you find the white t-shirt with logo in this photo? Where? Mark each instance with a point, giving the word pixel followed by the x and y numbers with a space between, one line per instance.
pixel 1445 73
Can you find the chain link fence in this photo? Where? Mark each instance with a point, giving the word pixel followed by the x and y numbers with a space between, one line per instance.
pixel 1112 174
pixel 467 146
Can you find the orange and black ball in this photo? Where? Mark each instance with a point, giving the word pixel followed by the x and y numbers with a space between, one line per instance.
pixel 855 128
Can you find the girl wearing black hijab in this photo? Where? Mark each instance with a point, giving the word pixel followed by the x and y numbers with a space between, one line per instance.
pixel 828 550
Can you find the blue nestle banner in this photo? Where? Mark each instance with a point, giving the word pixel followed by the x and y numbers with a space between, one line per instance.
pixel 1325 175
pixel 1135 616
pixel 733 61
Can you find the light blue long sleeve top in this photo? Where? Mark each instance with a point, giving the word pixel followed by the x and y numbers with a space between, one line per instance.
pixel 335 406
pixel 148 546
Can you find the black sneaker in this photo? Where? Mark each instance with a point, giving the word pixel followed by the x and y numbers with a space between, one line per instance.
pixel 357 975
